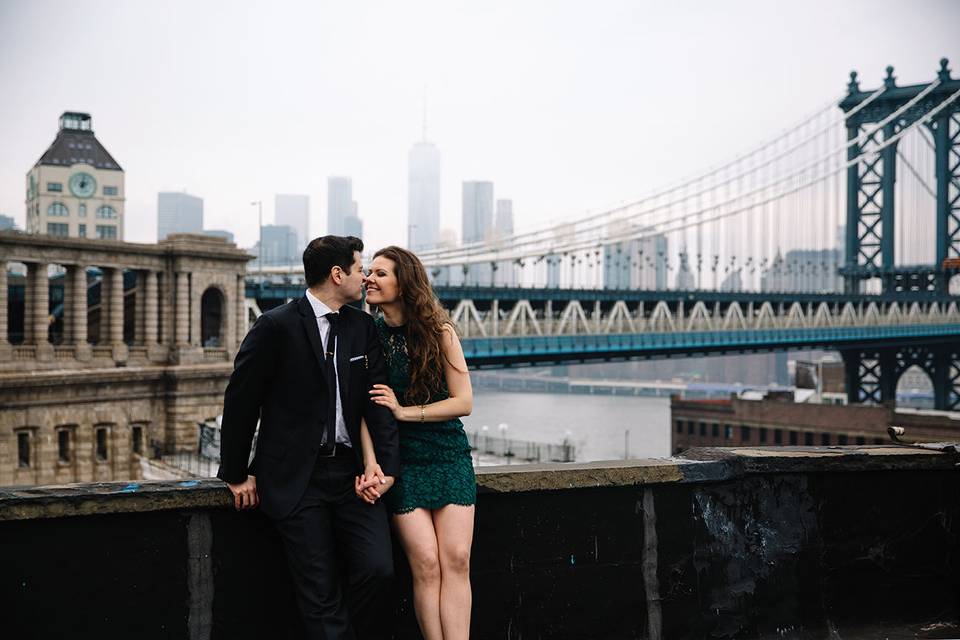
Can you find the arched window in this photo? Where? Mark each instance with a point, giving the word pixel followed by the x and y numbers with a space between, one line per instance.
pixel 106 212
pixel 58 209
pixel 211 318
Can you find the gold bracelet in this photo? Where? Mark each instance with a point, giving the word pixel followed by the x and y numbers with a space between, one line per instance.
pixel 423 413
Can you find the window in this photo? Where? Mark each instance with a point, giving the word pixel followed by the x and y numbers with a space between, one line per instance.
pixel 106 212
pixel 825 439
pixel 23 449
pixel 777 436
pixel 82 210
pixel 715 430
pixel 58 210
pixel 728 432
pixel 703 428
pixel 63 445
pixel 793 438
pixel 679 426
pixel 61 229
pixel 878 441
pixel 744 433
pixel 842 439
pixel 763 435
pixel 109 191
pixel 808 439
pixel 861 440
pixel 101 444
pixel 82 231
pixel 137 435
pixel 690 427
pixel 106 232
pixel 56 187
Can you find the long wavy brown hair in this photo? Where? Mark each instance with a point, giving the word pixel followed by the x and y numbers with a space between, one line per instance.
pixel 425 320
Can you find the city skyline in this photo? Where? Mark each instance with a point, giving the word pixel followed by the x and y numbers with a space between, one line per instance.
pixel 563 129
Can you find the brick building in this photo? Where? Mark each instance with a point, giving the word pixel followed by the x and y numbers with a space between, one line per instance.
pixel 779 421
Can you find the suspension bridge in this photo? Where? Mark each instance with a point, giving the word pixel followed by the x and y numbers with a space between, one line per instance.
pixel 842 231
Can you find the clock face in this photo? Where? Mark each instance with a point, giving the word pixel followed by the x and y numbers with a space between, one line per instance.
pixel 82 185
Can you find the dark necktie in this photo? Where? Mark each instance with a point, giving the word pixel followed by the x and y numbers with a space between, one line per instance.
pixel 330 369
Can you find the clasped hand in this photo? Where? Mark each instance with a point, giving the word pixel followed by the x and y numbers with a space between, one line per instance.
pixel 371 486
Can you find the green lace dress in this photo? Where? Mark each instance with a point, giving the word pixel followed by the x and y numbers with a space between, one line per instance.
pixel 436 468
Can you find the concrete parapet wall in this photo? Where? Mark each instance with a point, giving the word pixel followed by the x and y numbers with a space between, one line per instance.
pixel 780 542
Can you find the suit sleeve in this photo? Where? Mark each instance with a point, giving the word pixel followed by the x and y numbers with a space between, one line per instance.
pixel 380 422
pixel 253 370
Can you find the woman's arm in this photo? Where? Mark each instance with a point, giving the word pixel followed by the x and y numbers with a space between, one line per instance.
pixel 460 402
pixel 372 484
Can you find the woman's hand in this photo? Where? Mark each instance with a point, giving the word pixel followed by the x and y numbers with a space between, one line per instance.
pixel 385 397
pixel 368 487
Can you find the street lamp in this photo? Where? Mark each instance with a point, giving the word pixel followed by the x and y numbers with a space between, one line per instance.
pixel 259 205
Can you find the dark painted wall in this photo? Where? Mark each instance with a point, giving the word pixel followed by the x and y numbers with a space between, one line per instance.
pixel 792 554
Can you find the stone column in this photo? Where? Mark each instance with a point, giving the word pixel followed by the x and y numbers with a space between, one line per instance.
pixel 76 284
pixel 150 308
pixel 39 315
pixel 182 333
pixel 115 306
pixel 241 311
pixel 77 277
pixel 111 307
pixel 4 341
pixel 197 287
pixel 140 315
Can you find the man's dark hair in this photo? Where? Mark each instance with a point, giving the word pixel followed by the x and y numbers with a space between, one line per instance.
pixel 325 253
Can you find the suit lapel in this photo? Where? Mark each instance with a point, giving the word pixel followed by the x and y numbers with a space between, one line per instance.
pixel 343 357
pixel 313 332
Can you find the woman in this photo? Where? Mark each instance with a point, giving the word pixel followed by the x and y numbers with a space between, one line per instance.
pixel 432 502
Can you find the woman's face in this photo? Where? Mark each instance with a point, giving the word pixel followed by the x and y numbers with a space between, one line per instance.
pixel 381 285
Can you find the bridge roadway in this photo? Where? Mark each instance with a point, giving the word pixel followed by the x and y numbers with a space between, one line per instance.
pixel 504 327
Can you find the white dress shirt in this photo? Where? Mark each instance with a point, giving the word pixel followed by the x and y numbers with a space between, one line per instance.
pixel 320 310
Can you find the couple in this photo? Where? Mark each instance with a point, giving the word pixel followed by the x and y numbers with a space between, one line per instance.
pixel 353 409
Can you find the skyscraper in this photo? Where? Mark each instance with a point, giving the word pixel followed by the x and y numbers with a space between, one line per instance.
pixel 477 226
pixel 279 245
pixel 352 224
pixel 477 211
pixel 339 203
pixel 178 213
pixel 423 196
pixel 294 211
pixel 639 263
pixel 503 228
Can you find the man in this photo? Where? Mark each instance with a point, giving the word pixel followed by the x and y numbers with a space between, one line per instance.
pixel 305 370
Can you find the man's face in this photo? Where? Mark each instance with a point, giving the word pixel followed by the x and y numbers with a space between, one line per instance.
pixel 352 283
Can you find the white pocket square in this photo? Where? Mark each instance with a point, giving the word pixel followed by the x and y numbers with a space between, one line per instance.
pixel 355 358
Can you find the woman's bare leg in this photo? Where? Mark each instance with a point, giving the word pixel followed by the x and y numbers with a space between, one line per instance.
pixel 454 530
pixel 419 541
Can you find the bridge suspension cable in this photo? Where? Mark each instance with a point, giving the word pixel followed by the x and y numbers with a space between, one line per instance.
pixel 728 197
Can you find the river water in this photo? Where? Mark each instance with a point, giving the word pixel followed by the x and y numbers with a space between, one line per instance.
pixel 596 424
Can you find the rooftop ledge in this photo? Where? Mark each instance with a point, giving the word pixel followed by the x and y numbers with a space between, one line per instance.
pixel 694 466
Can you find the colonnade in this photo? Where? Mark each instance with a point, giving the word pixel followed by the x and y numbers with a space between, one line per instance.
pixel 36 322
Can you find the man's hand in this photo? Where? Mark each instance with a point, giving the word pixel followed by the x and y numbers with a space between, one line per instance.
pixel 245 494
pixel 372 484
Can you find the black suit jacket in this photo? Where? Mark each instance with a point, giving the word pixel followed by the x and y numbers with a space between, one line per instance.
pixel 278 377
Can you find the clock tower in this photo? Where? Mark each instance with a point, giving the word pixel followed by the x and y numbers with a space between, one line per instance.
pixel 76 189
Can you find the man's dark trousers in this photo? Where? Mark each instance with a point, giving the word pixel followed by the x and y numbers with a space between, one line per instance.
pixel 330 534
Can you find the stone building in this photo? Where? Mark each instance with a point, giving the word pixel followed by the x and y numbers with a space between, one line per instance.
pixel 84 405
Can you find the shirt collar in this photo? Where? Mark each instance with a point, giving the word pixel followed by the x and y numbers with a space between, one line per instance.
pixel 319 309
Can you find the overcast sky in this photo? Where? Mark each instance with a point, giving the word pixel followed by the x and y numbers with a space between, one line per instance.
pixel 565 106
